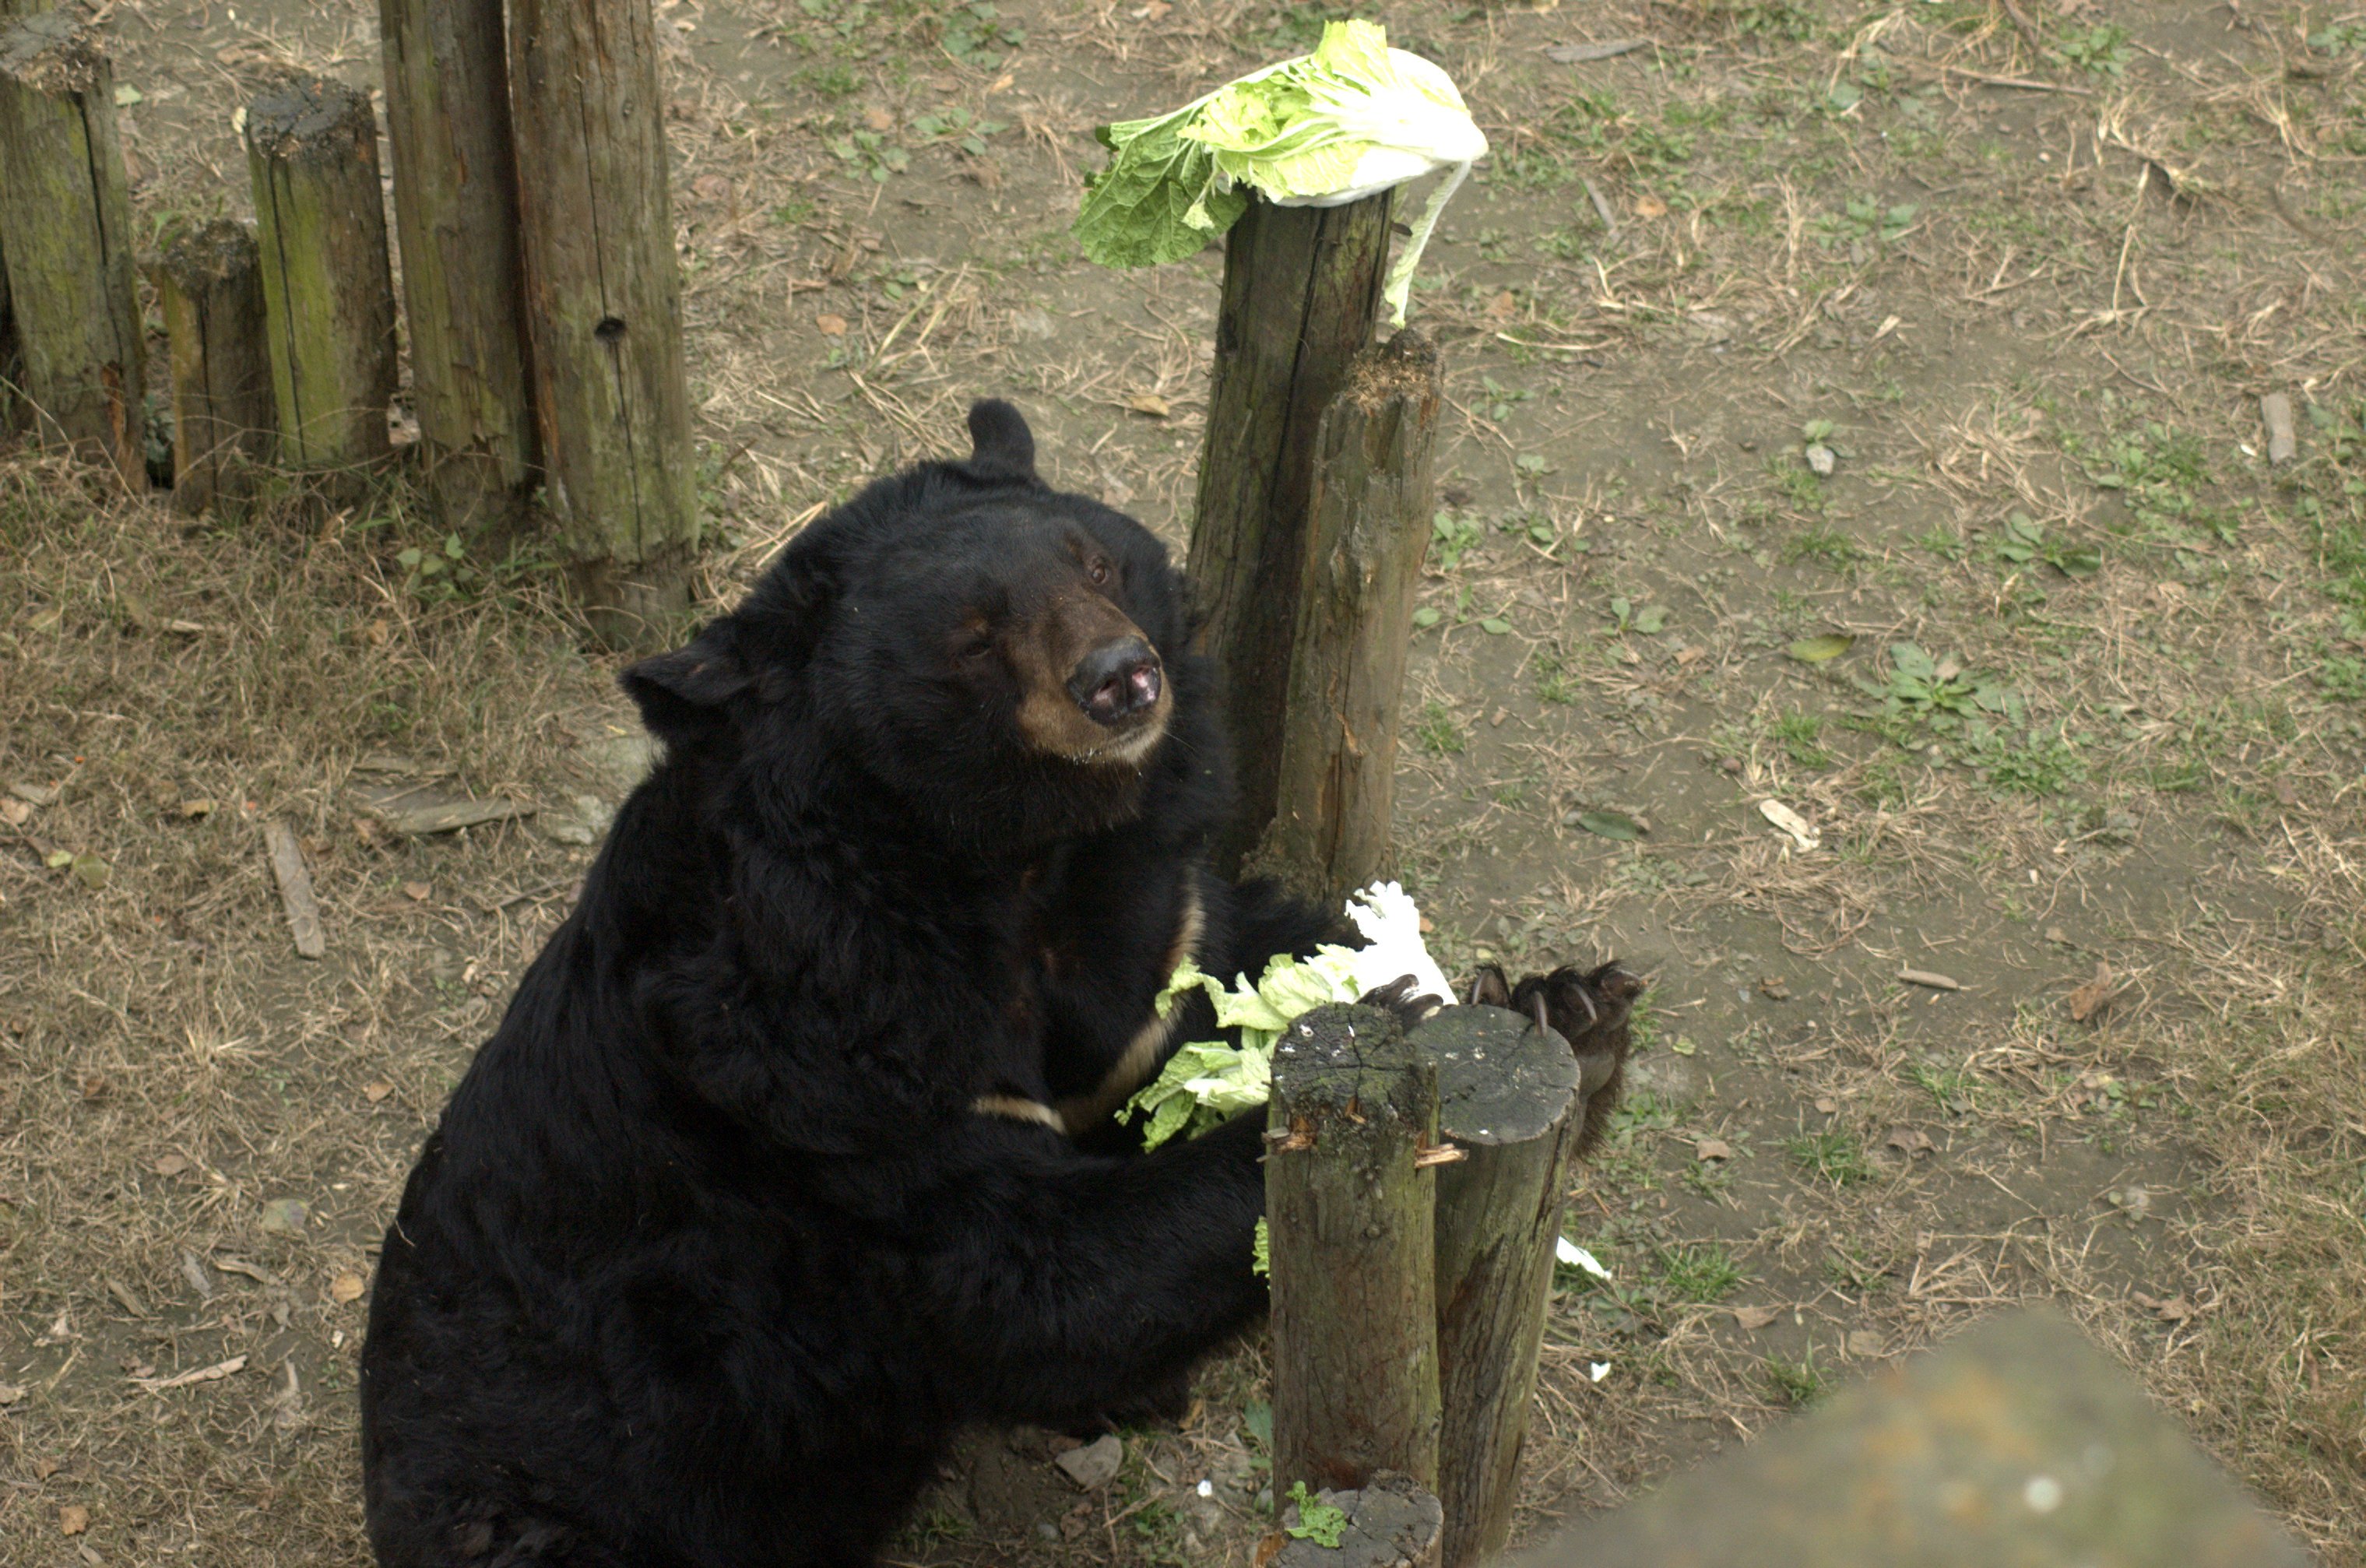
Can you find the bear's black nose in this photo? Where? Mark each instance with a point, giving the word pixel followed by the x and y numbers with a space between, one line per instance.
pixel 1117 681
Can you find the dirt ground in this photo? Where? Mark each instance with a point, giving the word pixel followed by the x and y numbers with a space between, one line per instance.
pixel 1855 408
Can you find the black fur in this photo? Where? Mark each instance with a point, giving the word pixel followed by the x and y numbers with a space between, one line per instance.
pixel 710 1253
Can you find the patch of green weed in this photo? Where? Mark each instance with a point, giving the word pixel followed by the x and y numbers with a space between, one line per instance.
pixel 1837 1156
pixel 1436 731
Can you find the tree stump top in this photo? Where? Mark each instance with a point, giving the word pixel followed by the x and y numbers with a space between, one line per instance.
pixel 53 52
pixel 1405 366
pixel 1346 1061
pixel 1499 1081
pixel 299 114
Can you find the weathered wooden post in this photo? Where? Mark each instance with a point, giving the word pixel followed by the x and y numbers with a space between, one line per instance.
pixel 1350 1198
pixel 1301 290
pixel 67 216
pixel 1508 1099
pixel 210 285
pixel 456 207
pixel 328 289
pixel 1368 525
pixel 603 305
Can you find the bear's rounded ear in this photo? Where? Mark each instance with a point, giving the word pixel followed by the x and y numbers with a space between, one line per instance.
pixel 1004 446
pixel 683 693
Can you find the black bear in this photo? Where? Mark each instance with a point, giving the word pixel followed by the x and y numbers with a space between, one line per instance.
pixel 762 1185
pixel 779 1167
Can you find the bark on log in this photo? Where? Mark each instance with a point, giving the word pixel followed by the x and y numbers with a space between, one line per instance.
pixel 1392 1523
pixel 328 289
pixel 1301 288
pixel 1350 1211
pixel 1368 524
pixel 603 307
pixel 67 214
pixel 456 207
pixel 1507 1096
pixel 210 285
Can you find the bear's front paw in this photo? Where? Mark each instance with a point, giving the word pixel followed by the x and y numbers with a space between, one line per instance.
pixel 1591 1009
pixel 1399 998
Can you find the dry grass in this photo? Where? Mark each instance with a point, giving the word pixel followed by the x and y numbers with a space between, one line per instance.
pixel 170 1066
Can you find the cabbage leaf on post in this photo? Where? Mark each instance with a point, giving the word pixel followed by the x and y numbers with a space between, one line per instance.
pixel 1350 120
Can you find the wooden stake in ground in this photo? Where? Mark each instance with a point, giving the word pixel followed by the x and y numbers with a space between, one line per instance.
pixel 67 215
pixel 447 119
pixel 1301 288
pixel 295 889
pixel 1507 1096
pixel 311 151
pixel 603 307
pixel 1367 523
pixel 1349 1205
pixel 210 285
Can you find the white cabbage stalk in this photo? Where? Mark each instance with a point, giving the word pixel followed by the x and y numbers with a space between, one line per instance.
pixel 1350 120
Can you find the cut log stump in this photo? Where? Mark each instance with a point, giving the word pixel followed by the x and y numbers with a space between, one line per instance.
pixel 328 288
pixel 1368 525
pixel 67 215
pixel 210 285
pixel 604 308
pixel 1301 292
pixel 1351 1204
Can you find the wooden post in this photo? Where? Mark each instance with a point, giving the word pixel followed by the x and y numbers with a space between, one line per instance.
pixel 67 215
pixel 1368 524
pixel 210 285
pixel 1350 1209
pixel 1507 1097
pixel 447 118
pixel 311 151
pixel 1301 288
pixel 603 307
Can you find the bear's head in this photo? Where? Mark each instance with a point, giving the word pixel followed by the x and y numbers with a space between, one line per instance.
pixel 995 655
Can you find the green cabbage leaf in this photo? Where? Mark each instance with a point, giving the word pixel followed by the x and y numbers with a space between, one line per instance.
pixel 1351 119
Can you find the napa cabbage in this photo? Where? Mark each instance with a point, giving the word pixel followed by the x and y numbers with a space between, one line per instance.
pixel 1351 119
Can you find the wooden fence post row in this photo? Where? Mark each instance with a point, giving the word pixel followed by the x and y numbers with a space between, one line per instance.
pixel 67 215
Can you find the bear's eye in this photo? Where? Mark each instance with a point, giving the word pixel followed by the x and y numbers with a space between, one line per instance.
pixel 1099 572
pixel 975 648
